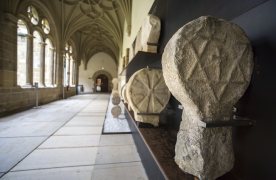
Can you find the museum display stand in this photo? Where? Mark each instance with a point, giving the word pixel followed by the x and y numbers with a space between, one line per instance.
pixel 156 145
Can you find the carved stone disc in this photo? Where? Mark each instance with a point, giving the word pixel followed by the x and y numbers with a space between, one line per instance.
pixel 147 91
pixel 116 98
pixel 116 111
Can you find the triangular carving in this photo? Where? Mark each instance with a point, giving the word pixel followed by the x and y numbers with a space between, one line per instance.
pixel 237 75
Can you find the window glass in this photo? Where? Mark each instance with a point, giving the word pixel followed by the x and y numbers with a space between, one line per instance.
pixel 36 56
pixel 33 15
pixel 45 26
pixel 22 33
pixel 49 52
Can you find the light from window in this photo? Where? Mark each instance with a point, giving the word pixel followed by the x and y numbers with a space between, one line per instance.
pixel 45 26
pixel 49 52
pixel 36 56
pixel 33 15
pixel 22 33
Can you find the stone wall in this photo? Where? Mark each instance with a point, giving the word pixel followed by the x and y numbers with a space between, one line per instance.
pixel 15 99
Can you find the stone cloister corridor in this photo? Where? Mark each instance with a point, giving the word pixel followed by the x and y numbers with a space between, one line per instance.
pixel 63 140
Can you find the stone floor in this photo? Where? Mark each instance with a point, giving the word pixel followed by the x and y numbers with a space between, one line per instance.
pixel 63 140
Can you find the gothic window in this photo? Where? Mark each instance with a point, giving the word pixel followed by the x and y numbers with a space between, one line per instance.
pixel 22 33
pixel 69 66
pixel 67 69
pixel 37 42
pixel 49 62
pixel 33 15
pixel 45 26
pixel 71 70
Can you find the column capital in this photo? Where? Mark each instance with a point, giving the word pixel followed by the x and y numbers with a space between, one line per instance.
pixel 42 43
pixel 29 36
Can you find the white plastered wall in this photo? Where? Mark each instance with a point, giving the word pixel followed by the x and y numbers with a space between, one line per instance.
pixel 96 63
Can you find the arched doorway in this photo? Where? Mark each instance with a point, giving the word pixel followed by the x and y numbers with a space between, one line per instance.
pixel 101 83
pixel 106 74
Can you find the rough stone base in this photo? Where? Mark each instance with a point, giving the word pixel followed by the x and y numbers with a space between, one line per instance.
pixel 154 120
pixel 204 152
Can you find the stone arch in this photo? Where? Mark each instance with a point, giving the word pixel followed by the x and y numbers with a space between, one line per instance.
pixel 26 22
pixel 107 74
pixel 43 11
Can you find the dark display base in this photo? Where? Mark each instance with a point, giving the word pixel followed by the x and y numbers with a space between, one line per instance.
pixel 156 150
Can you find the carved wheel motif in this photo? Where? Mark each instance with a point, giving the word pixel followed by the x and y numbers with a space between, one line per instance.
pixel 147 91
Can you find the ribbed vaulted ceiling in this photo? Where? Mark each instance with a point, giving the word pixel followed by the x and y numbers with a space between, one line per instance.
pixel 98 25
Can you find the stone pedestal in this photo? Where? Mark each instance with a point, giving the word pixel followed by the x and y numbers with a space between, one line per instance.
pixel 147 93
pixel 207 66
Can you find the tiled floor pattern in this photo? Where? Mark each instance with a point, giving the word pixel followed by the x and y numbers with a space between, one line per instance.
pixel 62 140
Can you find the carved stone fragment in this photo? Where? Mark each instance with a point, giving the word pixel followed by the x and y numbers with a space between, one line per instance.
pixel 150 33
pixel 124 93
pixel 147 93
pixel 115 98
pixel 116 111
pixel 115 84
pixel 207 66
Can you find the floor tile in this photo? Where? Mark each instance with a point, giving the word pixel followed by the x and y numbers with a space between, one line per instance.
pixel 12 150
pixel 86 121
pixel 116 139
pixel 91 114
pixel 71 141
pixel 70 173
pixel 30 129
pixel 135 171
pixel 85 118
pixel 79 130
pixel 52 158
pixel 117 154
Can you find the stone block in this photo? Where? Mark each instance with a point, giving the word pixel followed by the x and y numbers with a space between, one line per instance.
pixel 147 93
pixel 115 98
pixel 116 111
pixel 207 66
pixel 150 33
pixel 115 84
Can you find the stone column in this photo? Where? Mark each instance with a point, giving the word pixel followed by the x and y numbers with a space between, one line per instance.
pixel 59 68
pixel 74 73
pixel 29 60
pixel 53 66
pixel 42 64
pixel 69 72
pixel 77 72
pixel 8 50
